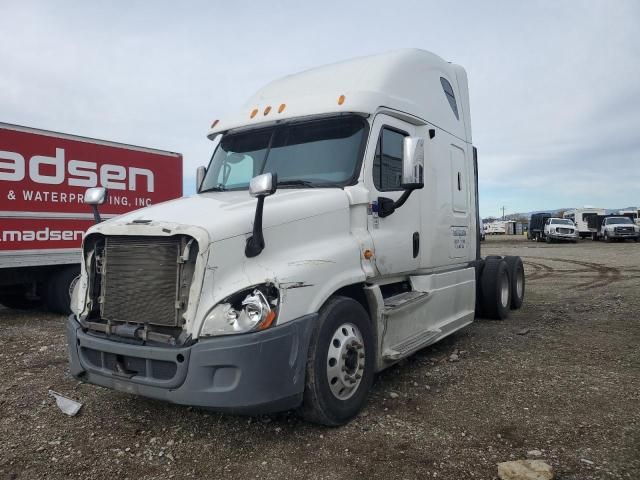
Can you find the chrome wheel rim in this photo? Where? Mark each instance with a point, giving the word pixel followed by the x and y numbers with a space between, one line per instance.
pixel 345 361
pixel 520 283
pixel 504 291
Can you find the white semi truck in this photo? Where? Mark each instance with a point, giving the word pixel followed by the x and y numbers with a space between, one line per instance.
pixel 335 231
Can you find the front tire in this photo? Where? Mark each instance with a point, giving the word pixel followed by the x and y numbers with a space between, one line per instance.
pixel 607 238
pixel 340 363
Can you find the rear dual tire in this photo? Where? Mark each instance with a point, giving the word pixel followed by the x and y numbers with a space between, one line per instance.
pixel 495 289
pixel 502 286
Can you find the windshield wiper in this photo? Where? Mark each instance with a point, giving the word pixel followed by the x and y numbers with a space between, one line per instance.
pixel 302 183
pixel 218 188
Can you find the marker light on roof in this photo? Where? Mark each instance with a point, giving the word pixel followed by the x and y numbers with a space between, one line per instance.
pixel 267 110
pixel 254 112
pixel 341 99
pixel 281 108
pixel 215 122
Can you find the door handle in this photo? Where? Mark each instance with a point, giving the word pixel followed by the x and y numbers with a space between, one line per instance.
pixel 416 244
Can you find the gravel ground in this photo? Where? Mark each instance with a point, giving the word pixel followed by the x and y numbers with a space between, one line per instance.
pixel 561 376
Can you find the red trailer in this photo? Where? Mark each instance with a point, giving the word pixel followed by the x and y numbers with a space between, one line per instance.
pixel 43 177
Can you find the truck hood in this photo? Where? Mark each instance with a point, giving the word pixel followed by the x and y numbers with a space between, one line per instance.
pixel 229 214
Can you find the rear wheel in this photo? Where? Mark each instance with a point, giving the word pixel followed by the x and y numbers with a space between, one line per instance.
pixel 340 364
pixel 495 288
pixel 19 299
pixel 516 278
pixel 59 288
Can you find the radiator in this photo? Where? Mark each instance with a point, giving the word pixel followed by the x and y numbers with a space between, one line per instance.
pixel 140 280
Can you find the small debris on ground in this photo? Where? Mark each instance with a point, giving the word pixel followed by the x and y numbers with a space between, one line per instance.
pixel 65 404
pixel 524 331
pixel 525 470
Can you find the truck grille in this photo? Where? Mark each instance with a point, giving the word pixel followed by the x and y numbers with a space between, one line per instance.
pixel 140 279
pixel 565 230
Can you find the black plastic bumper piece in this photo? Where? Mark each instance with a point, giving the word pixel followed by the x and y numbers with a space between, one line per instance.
pixel 250 373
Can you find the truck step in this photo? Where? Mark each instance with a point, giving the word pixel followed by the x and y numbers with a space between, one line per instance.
pixel 403 299
pixel 410 345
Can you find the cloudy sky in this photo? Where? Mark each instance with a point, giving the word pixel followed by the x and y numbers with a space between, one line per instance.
pixel 555 86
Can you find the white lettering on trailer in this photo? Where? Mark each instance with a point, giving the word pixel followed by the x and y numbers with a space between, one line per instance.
pixel 17 166
pixel 40 235
pixel 79 173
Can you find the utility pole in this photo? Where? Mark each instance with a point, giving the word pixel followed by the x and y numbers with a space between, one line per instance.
pixel 503 208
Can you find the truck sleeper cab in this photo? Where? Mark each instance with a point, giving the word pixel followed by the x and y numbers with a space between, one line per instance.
pixel 335 231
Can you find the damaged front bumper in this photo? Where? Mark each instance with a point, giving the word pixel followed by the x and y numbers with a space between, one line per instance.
pixel 250 373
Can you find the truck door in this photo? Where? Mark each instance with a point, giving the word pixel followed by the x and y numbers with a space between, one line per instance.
pixel 396 238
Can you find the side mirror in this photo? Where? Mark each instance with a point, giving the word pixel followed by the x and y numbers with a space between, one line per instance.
pixel 413 163
pixel 412 175
pixel 200 173
pixel 95 196
pixel 261 186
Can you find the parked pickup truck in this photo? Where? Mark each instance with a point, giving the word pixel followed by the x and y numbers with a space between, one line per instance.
pixel 618 228
pixel 560 229
pixel 335 232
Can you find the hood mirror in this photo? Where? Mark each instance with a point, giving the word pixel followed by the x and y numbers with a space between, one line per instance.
pixel 200 173
pixel 261 186
pixel 95 196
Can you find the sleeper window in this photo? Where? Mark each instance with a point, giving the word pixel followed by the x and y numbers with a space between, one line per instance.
pixel 448 91
pixel 387 164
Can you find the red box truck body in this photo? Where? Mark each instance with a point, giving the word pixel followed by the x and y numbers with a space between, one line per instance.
pixel 43 177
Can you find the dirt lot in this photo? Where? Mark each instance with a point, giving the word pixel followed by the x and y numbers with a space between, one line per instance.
pixel 561 376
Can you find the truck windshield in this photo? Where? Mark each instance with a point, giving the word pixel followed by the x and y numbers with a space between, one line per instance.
pixel 313 153
pixel 562 221
pixel 618 220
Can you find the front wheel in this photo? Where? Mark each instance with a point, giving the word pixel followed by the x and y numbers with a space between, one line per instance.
pixel 606 237
pixel 340 363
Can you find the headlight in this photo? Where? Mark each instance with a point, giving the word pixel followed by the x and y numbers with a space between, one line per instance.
pixel 249 310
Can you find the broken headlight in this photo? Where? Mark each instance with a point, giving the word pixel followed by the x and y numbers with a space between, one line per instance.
pixel 249 310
